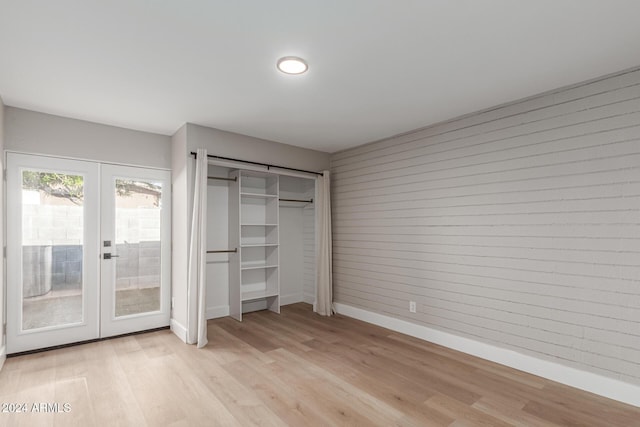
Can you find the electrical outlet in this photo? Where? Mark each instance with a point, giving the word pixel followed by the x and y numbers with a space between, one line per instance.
pixel 412 306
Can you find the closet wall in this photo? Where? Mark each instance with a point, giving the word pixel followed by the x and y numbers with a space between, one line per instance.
pixel 218 239
pixel 297 241
pixel 291 255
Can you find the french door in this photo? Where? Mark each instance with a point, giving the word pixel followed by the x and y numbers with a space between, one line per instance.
pixel 135 243
pixel 88 249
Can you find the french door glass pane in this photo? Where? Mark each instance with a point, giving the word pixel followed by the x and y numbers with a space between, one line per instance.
pixel 137 240
pixel 52 249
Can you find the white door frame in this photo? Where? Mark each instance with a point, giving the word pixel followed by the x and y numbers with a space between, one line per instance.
pixel 111 325
pixel 97 292
pixel 20 340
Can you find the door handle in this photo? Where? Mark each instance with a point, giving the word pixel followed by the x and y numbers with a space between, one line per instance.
pixel 109 256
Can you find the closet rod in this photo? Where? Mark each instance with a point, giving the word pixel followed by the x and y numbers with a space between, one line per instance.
pixel 296 200
pixel 223 251
pixel 211 156
pixel 222 178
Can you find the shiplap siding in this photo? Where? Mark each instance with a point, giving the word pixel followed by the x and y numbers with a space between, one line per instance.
pixel 517 226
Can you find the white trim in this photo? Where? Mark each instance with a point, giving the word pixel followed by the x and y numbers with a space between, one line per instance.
pixel 290 299
pixel 217 311
pixel 593 383
pixel 179 330
pixel 83 159
pixel 309 299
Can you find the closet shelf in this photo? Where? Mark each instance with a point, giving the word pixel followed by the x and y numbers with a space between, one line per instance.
pixel 257 267
pixel 254 223
pixel 253 295
pixel 259 195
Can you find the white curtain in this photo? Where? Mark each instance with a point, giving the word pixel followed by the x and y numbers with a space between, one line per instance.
pixel 196 279
pixel 324 269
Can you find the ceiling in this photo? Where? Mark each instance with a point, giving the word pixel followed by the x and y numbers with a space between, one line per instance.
pixel 377 67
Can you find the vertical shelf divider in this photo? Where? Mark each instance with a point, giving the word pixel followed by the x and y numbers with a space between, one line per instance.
pixel 254 229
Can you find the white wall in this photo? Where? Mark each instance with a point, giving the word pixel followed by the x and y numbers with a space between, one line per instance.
pixel 228 144
pixel 39 133
pixel 3 350
pixel 515 227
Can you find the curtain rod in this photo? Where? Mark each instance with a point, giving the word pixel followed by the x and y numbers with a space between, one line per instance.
pixel 219 251
pixel 211 156
pixel 222 178
pixel 296 200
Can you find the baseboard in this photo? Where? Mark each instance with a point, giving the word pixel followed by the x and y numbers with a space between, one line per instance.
pixel 593 383
pixel 290 299
pixel 217 311
pixel 309 299
pixel 179 330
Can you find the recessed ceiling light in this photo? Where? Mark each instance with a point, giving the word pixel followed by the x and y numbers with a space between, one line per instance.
pixel 292 65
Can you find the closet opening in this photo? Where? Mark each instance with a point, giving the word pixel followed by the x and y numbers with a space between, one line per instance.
pixel 261 241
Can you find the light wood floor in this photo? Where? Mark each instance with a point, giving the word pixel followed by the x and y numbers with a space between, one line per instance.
pixel 296 369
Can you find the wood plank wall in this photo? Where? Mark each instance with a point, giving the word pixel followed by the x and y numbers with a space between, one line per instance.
pixel 518 226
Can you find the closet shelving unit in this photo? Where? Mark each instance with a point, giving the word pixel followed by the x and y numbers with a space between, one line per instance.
pixel 253 229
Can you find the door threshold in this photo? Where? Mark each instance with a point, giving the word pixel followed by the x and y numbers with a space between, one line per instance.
pixel 73 344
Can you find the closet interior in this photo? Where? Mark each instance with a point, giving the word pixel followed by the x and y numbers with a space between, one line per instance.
pixel 260 241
